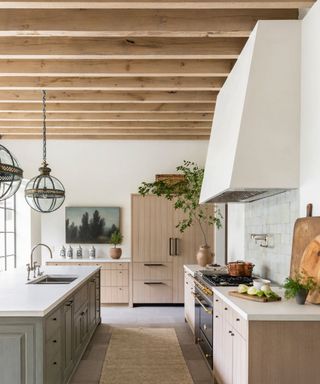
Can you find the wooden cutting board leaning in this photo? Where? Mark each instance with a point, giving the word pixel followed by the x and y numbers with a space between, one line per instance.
pixel 306 249
pixel 253 297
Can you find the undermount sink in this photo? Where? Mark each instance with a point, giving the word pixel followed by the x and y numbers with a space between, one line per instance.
pixel 54 279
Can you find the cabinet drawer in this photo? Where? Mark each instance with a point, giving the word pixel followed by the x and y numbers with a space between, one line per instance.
pixel 81 297
pixel 53 346
pixel 240 324
pixel 152 271
pixel 114 278
pixel 116 265
pixel 53 324
pixel 227 313
pixel 152 291
pixel 111 295
pixel 217 304
pixel 53 369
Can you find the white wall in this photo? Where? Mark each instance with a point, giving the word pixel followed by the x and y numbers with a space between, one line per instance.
pixel 310 111
pixel 102 173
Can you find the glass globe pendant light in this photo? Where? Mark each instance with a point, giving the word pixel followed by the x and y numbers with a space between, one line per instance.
pixel 10 174
pixel 44 193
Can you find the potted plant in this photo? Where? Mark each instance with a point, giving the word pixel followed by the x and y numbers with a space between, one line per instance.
pixel 299 287
pixel 116 238
pixel 186 195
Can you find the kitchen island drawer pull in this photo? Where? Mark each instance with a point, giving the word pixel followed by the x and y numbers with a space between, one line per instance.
pixel 153 283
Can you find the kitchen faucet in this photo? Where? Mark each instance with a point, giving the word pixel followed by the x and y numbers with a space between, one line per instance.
pixel 33 264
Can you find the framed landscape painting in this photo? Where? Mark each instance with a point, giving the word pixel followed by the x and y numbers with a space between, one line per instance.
pixel 91 225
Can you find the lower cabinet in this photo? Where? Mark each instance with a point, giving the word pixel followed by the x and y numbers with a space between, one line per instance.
pixel 230 356
pixel 68 330
pixel 189 304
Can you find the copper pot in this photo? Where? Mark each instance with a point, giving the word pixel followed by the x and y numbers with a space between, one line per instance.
pixel 240 268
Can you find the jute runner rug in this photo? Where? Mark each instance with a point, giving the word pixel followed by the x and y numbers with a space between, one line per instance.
pixel 144 356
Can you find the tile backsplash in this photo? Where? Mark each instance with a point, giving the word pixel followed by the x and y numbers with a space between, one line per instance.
pixel 275 216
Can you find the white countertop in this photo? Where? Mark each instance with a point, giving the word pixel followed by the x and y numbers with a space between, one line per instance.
pixel 17 298
pixel 193 268
pixel 284 310
pixel 87 260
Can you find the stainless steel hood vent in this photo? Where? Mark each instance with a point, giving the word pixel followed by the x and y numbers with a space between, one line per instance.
pixel 254 145
pixel 243 196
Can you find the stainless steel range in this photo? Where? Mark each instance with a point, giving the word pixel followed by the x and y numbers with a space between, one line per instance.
pixel 203 295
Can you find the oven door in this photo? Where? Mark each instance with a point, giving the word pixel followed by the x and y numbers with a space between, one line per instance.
pixel 204 318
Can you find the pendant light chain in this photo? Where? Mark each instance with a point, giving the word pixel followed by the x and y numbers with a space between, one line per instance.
pixel 44 131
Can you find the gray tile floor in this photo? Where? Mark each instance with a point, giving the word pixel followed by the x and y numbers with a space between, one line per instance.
pixel 89 369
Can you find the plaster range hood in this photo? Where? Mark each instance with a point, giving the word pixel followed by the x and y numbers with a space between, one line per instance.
pixel 254 145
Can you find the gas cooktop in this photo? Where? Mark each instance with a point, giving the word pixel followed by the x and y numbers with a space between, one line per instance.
pixel 225 280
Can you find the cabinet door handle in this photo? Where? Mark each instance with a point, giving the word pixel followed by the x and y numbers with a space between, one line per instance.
pixel 69 303
pixel 54 341
pixel 153 282
pixel 176 246
pixel 171 247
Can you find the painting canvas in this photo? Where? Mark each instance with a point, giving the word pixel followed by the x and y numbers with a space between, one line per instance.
pixel 91 225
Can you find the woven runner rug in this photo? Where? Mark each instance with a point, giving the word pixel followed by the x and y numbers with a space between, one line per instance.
pixel 144 356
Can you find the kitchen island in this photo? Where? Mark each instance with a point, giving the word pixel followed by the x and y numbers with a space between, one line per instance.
pixel 254 342
pixel 45 328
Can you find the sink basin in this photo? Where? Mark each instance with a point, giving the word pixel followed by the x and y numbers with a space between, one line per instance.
pixel 54 279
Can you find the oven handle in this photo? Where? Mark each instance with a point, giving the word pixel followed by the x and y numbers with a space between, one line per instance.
pixel 197 299
pixel 204 289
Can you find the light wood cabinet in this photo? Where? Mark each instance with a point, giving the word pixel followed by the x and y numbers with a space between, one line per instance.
pixel 189 302
pixel 157 241
pixel 114 280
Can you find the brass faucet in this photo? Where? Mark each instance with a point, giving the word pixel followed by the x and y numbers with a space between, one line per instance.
pixel 33 264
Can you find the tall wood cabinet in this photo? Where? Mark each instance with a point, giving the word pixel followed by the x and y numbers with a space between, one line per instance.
pixel 159 250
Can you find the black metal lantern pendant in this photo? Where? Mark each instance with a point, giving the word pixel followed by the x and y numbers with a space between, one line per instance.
pixel 44 193
pixel 10 174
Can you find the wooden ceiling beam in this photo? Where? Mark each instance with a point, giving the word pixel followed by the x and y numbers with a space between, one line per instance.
pixel 109 131
pixel 160 4
pixel 123 108
pixel 103 116
pixel 137 96
pixel 8 126
pixel 142 22
pixel 134 136
pixel 112 83
pixel 120 68
pixel 60 48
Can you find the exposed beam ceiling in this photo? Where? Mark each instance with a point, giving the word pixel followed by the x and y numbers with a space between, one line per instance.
pixel 122 69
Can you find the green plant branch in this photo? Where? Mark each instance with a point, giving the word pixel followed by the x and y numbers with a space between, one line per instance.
pixel 186 194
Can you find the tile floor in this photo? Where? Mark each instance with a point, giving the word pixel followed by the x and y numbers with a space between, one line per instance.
pixel 90 367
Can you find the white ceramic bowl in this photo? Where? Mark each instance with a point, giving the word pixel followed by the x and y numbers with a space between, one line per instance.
pixel 258 283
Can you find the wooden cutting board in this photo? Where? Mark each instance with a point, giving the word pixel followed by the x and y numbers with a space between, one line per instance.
pixel 310 265
pixel 253 298
pixel 305 230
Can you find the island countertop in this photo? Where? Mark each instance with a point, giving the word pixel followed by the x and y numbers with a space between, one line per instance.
pixel 18 298
pixel 84 260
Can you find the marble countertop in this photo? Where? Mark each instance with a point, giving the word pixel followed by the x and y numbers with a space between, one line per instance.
pixel 87 260
pixel 20 299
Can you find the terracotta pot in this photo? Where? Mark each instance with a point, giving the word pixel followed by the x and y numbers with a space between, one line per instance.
pixel 115 253
pixel 204 256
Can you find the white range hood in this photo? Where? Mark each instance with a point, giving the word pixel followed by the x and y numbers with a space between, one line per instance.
pixel 254 144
